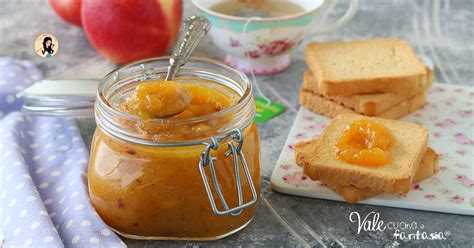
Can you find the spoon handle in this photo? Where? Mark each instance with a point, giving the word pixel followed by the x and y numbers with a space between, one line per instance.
pixel 192 30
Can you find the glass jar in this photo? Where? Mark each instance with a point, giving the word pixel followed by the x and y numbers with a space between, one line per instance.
pixel 193 179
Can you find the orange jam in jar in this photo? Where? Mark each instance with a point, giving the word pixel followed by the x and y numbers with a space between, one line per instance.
pixel 177 177
pixel 155 98
pixel 365 143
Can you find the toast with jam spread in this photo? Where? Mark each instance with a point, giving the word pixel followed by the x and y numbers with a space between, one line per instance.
pixel 352 194
pixel 321 161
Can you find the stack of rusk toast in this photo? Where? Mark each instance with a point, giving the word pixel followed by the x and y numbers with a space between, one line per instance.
pixel 379 77
pixel 372 80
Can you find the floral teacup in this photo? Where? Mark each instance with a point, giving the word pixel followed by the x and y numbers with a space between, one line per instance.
pixel 263 45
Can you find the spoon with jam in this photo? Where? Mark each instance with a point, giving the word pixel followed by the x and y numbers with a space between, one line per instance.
pixel 165 99
pixel 157 99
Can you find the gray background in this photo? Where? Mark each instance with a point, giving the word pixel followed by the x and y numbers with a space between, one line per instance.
pixel 440 30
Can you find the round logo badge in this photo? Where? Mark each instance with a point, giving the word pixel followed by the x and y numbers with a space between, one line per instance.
pixel 46 45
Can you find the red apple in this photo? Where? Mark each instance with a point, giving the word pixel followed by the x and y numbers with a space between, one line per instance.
pixel 68 10
pixel 127 30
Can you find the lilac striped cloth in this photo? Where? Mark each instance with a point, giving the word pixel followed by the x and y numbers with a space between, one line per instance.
pixel 43 165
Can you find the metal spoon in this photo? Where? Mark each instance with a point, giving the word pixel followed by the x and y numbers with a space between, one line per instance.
pixel 192 30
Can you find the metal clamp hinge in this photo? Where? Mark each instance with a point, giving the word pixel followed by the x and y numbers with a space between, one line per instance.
pixel 236 152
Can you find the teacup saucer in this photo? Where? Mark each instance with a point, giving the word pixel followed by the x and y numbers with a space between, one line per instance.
pixel 259 66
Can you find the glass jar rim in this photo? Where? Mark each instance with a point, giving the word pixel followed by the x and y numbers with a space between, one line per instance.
pixel 244 98
pixel 118 83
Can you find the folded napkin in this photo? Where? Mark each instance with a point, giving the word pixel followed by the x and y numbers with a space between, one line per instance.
pixel 43 171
